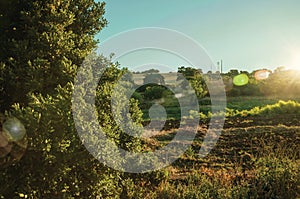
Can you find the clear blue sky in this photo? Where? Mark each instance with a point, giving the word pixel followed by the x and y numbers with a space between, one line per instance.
pixel 246 35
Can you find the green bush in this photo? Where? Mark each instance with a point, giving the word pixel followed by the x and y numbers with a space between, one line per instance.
pixel 137 96
pixel 281 107
pixel 154 92
pixel 43 44
pixel 56 164
pixel 276 178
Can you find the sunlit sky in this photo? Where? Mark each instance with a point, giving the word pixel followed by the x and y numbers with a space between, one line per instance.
pixel 246 35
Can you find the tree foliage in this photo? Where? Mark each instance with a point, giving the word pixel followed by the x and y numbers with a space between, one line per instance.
pixel 42 44
pixel 195 78
pixel 154 92
pixel 282 83
pixel 56 164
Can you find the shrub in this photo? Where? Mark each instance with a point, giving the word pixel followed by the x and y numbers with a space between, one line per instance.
pixel 56 164
pixel 281 107
pixel 276 178
pixel 154 92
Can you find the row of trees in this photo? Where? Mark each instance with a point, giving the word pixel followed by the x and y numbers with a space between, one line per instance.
pixel 280 82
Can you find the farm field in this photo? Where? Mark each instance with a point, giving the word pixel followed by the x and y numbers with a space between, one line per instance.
pixel 257 151
pixel 255 157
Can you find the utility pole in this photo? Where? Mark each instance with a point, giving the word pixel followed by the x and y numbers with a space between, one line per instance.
pixel 221 66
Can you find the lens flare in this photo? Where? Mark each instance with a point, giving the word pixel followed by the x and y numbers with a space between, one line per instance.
pixel 13 129
pixel 13 142
pixel 261 74
pixel 241 80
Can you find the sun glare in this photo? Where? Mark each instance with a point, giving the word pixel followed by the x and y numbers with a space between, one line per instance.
pixel 295 61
